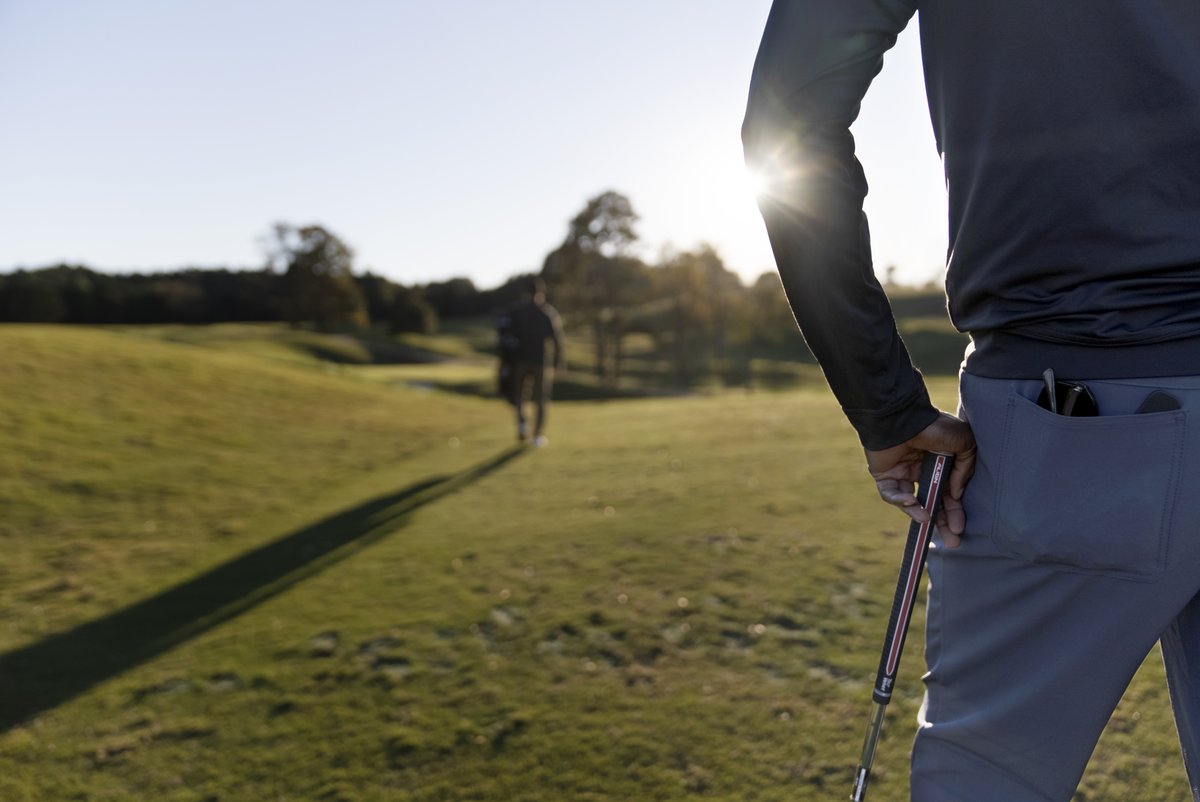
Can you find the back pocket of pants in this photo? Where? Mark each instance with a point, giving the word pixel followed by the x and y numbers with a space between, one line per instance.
pixel 1088 494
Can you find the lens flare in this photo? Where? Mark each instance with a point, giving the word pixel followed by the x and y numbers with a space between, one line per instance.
pixel 756 182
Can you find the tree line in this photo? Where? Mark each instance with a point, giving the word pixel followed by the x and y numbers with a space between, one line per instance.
pixel 698 317
pixel 308 279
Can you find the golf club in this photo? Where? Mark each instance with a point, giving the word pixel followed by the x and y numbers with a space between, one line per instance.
pixel 935 471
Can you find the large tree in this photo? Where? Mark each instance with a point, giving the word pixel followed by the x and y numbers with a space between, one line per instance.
pixel 319 284
pixel 700 307
pixel 593 276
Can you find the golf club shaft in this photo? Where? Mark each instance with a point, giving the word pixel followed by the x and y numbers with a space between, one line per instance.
pixel 935 474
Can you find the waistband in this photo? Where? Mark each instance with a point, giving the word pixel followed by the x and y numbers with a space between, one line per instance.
pixel 1001 355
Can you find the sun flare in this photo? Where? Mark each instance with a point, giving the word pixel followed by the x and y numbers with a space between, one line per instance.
pixel 755 182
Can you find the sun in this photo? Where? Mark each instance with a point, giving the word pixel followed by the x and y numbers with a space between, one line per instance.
pixel 755 182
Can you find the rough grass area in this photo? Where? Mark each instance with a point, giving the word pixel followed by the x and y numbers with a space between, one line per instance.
pixel 230 577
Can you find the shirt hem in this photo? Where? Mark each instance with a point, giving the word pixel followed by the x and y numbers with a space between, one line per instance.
pixel 1002 355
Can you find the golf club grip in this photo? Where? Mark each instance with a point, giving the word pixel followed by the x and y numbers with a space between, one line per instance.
pixel 935 474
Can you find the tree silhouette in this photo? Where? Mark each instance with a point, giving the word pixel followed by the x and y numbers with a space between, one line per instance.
pixel 319 284
pixel 592 275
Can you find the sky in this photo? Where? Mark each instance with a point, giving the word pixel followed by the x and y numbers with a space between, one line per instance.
pixel 437 139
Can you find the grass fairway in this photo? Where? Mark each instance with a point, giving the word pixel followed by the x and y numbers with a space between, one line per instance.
pixel 230 576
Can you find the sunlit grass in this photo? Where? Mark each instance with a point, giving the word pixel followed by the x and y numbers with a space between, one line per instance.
pixel 679 598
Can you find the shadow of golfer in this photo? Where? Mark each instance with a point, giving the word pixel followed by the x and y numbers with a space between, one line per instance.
pixel 45 674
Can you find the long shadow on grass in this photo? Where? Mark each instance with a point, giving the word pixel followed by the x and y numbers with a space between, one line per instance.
pixel 45 674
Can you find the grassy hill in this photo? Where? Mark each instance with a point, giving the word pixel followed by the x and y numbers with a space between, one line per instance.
pixel 239 571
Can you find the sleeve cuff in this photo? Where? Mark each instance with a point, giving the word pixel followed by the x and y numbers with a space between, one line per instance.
pixel 880 429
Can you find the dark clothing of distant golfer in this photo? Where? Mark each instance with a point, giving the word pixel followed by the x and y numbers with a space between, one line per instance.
pixel 524 332
pixel 1069 133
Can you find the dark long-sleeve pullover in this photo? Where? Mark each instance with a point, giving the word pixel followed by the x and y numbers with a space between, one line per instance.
pixel 1070 136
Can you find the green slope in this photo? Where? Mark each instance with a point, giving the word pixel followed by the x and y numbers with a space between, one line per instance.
pixel 127 462
pixel 232 578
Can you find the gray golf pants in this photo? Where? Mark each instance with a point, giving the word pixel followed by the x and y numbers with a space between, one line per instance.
pixel 1082 548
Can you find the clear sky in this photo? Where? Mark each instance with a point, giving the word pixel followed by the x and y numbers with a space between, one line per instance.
pixel 437 139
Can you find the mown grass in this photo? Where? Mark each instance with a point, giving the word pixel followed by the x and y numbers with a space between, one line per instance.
pixel 268 340
pixel 257 580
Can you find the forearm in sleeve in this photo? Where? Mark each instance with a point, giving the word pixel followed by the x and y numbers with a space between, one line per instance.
pixel 814 65
pixel 560 358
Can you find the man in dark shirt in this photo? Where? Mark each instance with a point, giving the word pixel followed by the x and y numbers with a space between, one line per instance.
pixel 1070 136
pixel 524 330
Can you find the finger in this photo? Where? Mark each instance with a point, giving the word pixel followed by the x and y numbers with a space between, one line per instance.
pixel 909 504
pixel 953 518
pixel 951 522
pixel 917 513
pixel 896 492
pixel 964 468
pixel 901 498
pixel 896 487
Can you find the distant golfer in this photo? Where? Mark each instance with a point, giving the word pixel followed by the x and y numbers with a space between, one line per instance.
pixel 524 375
pixel 1069 133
